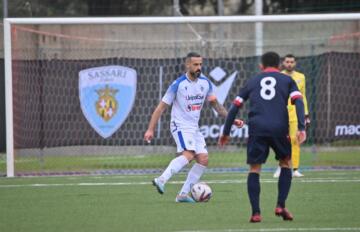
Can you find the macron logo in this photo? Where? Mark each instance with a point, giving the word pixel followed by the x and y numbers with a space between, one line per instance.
pixel 347 130
pixel 222 91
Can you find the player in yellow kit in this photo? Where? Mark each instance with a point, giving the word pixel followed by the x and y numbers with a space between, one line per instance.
pixel 289 64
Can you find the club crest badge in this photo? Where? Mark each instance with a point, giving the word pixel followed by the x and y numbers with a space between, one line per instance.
pixel 107 105
pixel 107 95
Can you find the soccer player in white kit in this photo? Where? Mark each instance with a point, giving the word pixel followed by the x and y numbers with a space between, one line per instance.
pixel 187 95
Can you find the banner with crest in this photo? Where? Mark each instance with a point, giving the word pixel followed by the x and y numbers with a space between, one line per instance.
pixel 107 95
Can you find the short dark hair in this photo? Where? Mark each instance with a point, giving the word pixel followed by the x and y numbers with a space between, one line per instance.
pixel 270 59
pixel 192 54
pixel 290 56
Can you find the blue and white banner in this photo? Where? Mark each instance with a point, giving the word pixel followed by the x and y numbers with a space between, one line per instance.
pixel 107 95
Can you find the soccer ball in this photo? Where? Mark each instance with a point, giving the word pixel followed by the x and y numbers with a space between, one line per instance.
pixel 201 192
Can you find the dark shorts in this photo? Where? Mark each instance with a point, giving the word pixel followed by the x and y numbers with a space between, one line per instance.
pixel 258 148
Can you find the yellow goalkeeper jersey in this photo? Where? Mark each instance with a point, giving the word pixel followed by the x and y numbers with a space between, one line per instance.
pixel 299 78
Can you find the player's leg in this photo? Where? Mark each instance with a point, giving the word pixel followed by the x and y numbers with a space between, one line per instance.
pixel 253 187
pixel 282 148
pixel 284 182
pixel 292 135
pixel 187 154
pixel 199 167
pixel 257 153
pixel 195 173
pixel 295 149
pixel 174 167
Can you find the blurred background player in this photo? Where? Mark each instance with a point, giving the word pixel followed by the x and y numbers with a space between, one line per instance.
pixel 187 95
pixel 289 64
pixel 268 121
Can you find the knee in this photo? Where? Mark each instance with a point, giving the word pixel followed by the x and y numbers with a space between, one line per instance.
pixel 189 155
pixel 285 163
pixel 203 159
pixel 255 168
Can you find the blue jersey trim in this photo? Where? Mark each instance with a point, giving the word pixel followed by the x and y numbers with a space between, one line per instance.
pixel 181 139
pixel 210 85
pixel 176 127
pixel 174 87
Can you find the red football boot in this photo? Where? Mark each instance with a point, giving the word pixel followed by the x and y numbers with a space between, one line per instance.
pixel 255 218
pixel 284 213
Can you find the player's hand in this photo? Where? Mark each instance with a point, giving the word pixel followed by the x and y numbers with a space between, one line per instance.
pixel 223 140
pixel 239 123
pixel 307 121
pixel 149 135
pixel 301 136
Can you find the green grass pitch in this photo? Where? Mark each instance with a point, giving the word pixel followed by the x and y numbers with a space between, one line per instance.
pixel 344 158
pixel 320 201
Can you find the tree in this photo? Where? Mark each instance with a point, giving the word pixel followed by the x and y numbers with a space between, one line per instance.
pixel 46 8
pixel 129 7
pixel 66 8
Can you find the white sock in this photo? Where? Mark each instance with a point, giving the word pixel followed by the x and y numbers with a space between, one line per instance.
pixel 174 167
pixel 193 177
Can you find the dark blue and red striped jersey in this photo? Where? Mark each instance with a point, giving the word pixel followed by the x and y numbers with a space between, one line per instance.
pixel 268 93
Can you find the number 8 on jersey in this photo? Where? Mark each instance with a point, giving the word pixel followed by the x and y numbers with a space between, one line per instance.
pixel 267 91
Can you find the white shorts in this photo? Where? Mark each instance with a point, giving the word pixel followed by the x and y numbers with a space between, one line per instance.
pixel 189 140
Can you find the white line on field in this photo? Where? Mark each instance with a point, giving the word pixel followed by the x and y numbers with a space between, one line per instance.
pixel 314 180
pixel 276 229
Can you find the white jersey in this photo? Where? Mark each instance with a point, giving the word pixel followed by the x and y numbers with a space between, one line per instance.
pixel 188 98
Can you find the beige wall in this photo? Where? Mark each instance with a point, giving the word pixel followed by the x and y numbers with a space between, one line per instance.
pixel 162 41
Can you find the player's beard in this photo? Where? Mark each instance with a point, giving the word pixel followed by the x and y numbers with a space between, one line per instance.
pixel 289 69
pixel 196 74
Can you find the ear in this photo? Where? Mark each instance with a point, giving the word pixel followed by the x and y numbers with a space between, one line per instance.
pixel 261 67
pixel 187 63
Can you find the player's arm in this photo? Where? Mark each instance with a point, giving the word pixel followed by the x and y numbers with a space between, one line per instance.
pixel 220 109
pixel 296 99
pixel 303 92
pixel 233 111
pixel 211 97
pixel 167 100
pixel 149 134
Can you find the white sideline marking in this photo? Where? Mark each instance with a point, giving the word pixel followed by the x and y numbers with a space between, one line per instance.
pixel 273 180
pixel 276 229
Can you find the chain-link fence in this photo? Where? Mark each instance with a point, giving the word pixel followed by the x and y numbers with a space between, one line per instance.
pixel 54 134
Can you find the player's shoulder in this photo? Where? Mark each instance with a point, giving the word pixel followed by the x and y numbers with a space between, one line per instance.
pixel 254 80
pixel 181 78
pixel 178 80
pixel 299 75
pixel 286 77
pixel 175 84
pixel 205 79
pixel 283 74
